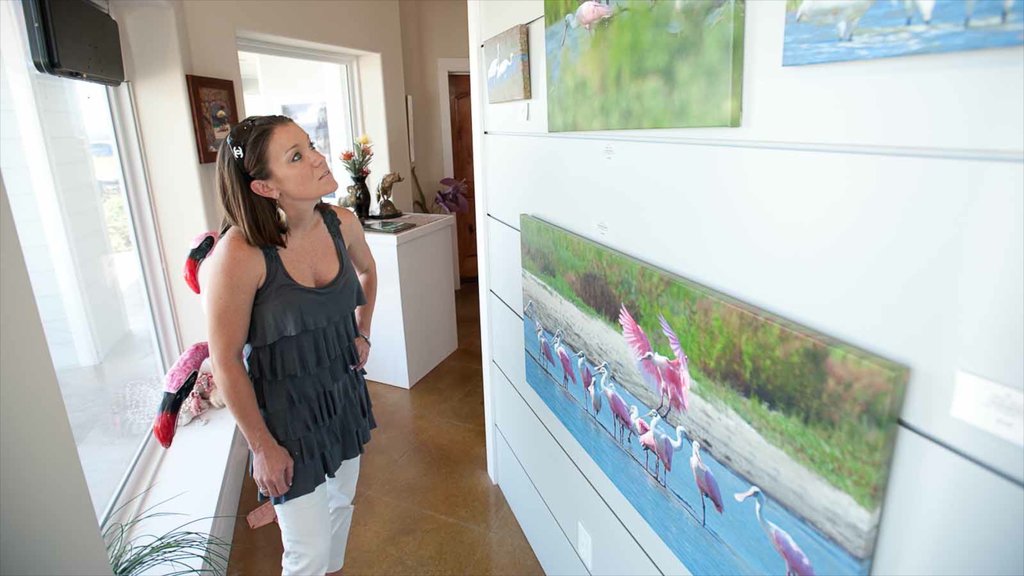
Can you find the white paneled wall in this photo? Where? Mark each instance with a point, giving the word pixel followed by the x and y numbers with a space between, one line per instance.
pixel 878 202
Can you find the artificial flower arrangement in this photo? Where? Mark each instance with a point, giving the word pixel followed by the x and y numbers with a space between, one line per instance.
pixel 453 197
pixel 357 160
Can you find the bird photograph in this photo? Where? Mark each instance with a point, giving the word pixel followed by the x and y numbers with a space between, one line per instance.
pixel 640 364
pixel 630 64
pixel 819 31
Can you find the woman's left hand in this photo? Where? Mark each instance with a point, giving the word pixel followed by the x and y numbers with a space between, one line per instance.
pixel 363 349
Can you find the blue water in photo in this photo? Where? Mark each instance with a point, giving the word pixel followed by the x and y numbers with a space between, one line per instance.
pixel 731 543
pixel 882 32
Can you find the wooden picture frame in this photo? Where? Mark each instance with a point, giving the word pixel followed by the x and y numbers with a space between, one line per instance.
pixel 214 112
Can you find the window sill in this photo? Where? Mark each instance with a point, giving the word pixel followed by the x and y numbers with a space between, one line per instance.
pixel 199 478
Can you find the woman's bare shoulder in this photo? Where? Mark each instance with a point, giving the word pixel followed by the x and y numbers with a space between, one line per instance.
pixel 350 225
pixel 235 258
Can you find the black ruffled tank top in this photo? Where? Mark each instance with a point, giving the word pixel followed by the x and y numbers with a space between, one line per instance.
pixel 300 355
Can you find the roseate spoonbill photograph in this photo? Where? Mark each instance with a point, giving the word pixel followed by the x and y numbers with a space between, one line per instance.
pixel 751 398
pixel 819 31
pixel 630 64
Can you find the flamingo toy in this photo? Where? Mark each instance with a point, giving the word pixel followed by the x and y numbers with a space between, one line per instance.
pixel 620 413
pixel 202 246
pixel 587 377
pixel 797 563
pixel 180 381
pixel 648 362
pixel 676 372
pixel 706 483
pixel 588 14
pixel 664 447
pixel 563 358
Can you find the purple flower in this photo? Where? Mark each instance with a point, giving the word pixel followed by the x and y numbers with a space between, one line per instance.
pixel 453 197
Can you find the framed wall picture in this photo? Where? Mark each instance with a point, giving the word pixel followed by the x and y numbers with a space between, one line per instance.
pixel 750 444
pixel 213 113
pixel 507 57
pixel 638 64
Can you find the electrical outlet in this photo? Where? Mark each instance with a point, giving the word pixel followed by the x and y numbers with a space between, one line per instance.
pixel 584 546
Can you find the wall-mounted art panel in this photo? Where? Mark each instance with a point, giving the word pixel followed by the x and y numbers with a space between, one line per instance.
pixel 507 57
pixel 750 444
pixel 836 30
pixel 643 64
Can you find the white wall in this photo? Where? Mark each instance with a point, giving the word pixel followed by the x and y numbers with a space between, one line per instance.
pixel 369 28
pixel 879 202
pixel 156 61
pixel 47 524
pixel 431 30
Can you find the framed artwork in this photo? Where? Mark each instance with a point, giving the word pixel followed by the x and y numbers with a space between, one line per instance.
pixel 507 57
pixel 213 113
pixel 819 31
pixel 636 64
pixel 748 443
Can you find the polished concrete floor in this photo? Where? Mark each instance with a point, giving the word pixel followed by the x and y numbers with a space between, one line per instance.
pixel 424 503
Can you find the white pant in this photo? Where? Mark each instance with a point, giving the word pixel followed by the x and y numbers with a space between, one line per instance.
pixel 314 527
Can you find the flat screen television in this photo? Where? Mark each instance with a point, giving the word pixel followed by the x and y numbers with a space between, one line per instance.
pixel 74 39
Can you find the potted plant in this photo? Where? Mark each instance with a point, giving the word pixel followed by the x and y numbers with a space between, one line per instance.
pixel 357 162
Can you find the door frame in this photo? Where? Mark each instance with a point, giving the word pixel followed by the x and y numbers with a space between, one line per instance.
pixel 446 66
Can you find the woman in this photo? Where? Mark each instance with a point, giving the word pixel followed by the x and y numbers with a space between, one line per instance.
pixel 291 290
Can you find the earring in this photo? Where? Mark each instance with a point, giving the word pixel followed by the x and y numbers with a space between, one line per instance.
pixel 281 216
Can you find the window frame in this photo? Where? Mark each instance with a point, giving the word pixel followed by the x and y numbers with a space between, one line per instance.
pixel 347 59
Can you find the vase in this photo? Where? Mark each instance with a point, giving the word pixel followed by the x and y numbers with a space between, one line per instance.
pixel 362 197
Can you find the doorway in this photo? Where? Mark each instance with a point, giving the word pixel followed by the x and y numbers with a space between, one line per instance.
pixel 460 108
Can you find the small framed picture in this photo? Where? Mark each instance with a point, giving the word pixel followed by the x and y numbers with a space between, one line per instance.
pixel 213 113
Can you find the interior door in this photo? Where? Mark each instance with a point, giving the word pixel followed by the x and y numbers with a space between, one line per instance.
pixel 462 159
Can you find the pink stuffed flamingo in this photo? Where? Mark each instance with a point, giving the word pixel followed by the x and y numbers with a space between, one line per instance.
pixel 179 383
pixel 202 247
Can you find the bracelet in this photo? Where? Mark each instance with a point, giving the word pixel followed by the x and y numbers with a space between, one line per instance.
pixel 367 338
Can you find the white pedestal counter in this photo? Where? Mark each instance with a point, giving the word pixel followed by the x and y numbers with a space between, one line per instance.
pixel 414 325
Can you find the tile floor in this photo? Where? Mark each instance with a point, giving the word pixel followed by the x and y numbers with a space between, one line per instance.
pixel 424 504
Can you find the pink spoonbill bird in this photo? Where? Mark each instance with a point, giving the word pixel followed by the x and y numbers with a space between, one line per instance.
pixel 649 443
pixel 637 425
pixel 797 563
pixel 545 348
pixel 620 413
pixel 588 14
pixel 676 372
pixel 706 483
pixel 648 362
pixel 563 358
pixel 586 375
pixel 665 446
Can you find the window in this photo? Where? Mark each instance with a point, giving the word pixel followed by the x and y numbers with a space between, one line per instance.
pixel 314 89
pixel 61 163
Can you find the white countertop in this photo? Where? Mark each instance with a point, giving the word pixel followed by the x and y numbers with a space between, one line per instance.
pixel 425 224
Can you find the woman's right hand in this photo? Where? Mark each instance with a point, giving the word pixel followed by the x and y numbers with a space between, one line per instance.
pixel 272 469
